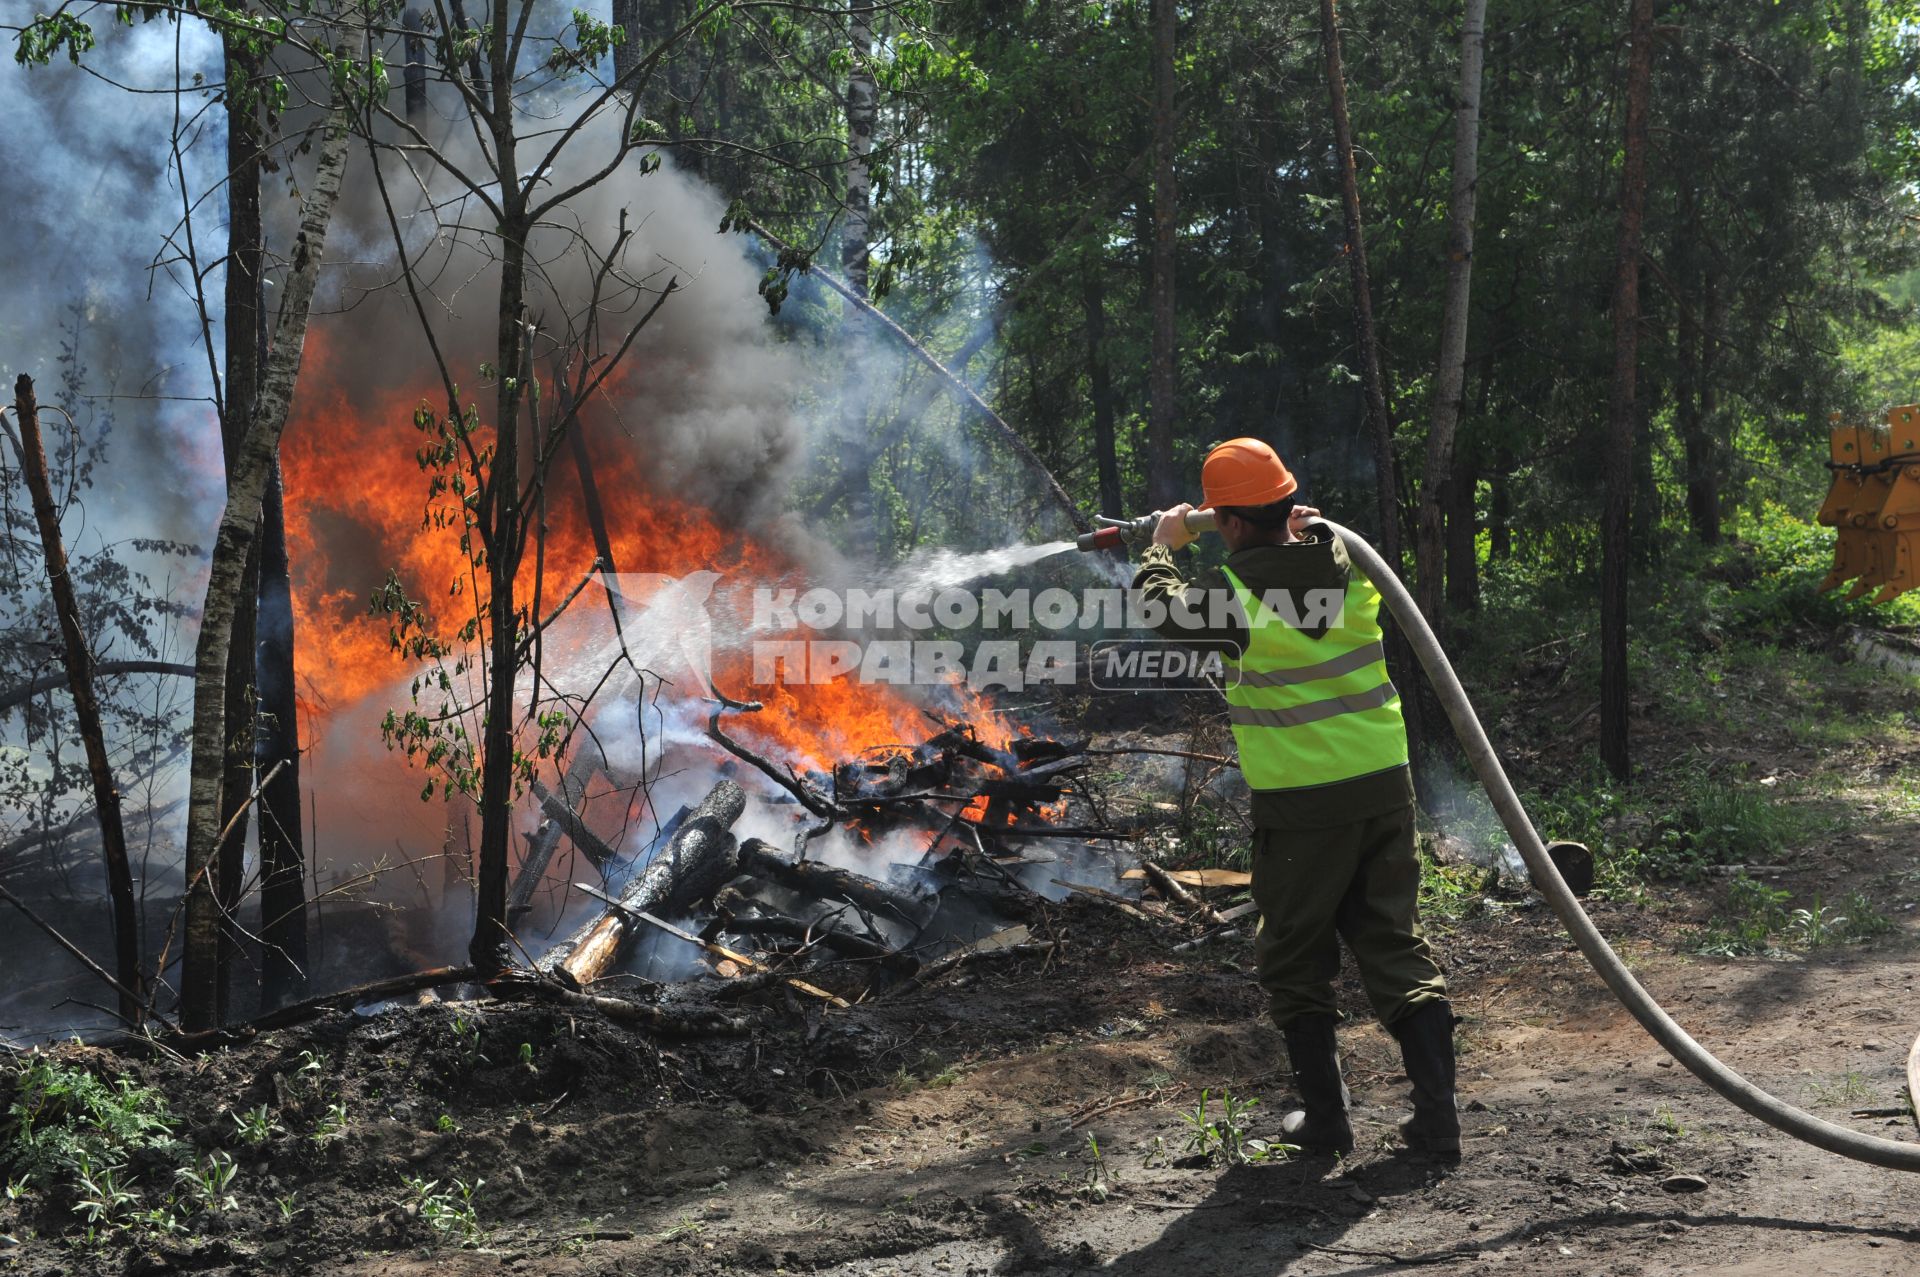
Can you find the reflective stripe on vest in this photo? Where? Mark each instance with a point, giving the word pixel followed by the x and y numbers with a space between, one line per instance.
pixel 1308 711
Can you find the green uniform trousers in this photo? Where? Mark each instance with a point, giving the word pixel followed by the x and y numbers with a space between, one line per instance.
pixel 1359 882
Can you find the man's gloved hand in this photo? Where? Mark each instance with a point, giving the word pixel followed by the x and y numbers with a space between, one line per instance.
pixel 1171 531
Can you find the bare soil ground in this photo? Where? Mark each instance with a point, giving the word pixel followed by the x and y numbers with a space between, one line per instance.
pixel 952 1130
pixel 947 1132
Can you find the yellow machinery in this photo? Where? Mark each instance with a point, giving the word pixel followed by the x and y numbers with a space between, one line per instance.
pixel 1875 504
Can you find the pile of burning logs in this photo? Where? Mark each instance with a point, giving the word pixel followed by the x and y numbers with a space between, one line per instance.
pixel 971 805
pixel 772 919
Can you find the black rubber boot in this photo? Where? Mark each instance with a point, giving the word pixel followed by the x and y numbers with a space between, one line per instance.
pixel 1426 1046
pixel 1321 1126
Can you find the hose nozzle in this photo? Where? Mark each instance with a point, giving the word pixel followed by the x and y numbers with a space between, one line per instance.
pixel 1134 533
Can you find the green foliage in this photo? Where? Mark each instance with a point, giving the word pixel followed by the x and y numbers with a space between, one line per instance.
pixel 1721 821
pixel 332 1124
pixel 256 1126
pixel 593 40
pixel 1757 920
pixel 451 1210
pixel 64 1124
pixel 439 734
pixel 48 34
pixel 1754 913
pixel 1770 580
pixel 1225 1134
pixel 207 1185
pixel 1100 1179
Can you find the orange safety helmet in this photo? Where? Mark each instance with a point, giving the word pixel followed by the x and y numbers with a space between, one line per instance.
pixel 1244 472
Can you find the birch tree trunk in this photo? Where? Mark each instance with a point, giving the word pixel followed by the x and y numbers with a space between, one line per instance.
pixel 226 581
pixel 856 252
pixel 78 658
pixel 1615 528
pixel 1163 484
pixel 862 100
pixel 1449 381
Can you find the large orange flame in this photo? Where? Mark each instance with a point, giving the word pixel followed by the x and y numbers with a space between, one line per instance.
pixel 357 506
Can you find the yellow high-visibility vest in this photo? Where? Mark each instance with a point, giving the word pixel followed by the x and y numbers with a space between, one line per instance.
pixel 1308 711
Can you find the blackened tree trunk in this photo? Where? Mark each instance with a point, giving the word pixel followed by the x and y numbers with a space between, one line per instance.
pixel 226 581
pixel 1450 375
pixel 1163 484
pixel 1093 297
pixel 283 897
pixel 1615 528
pixel 78 658
pixel 491 948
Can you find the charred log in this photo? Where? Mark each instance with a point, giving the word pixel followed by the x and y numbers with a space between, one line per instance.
pixel 666 1022
pixel 934 970
pixel 590 844
pixel 541 844
pixel 824 882
pixel 823 931
pixel 1165 884
pixel 695 863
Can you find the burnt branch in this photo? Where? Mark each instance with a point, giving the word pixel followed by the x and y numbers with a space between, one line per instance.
pixel 786 780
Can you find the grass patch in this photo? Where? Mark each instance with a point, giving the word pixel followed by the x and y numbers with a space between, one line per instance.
pixel 1757 920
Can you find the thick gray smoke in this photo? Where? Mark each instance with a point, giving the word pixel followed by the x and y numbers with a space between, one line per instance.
pixel 704 396
pixel 92 202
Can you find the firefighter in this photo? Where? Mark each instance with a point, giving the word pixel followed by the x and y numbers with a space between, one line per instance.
pixel 1323 746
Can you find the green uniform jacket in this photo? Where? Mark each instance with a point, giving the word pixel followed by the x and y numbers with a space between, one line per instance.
pixel 1317 562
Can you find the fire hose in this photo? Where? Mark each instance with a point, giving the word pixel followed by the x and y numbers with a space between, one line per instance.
pixel 1730 1085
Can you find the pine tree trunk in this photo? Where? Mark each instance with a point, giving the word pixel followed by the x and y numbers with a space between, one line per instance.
pixel 1367 350
pixel 1500 508
pixel 78 658
pixel 1463 567
pixel 1163 483
pixel 226 581
pixel 1451 373
pixel 1615 530
pixel 283 896
pixel 1093 297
